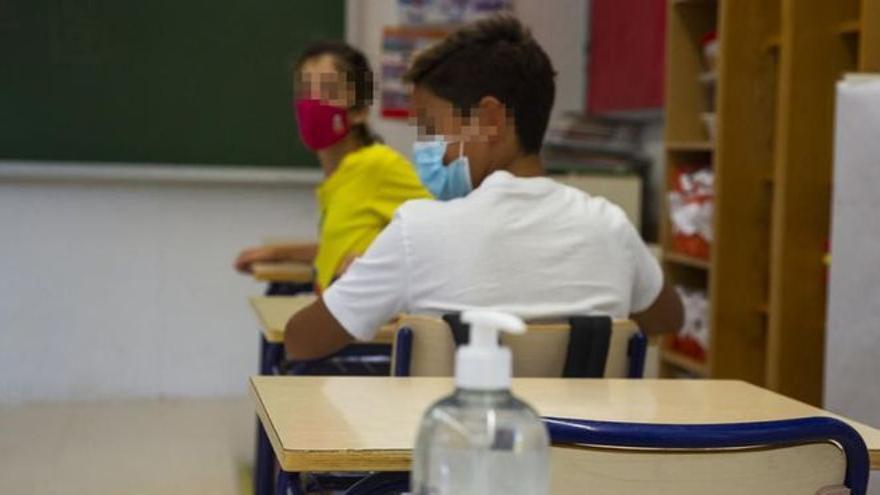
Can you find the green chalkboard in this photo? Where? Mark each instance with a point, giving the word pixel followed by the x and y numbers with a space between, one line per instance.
pixel 156 81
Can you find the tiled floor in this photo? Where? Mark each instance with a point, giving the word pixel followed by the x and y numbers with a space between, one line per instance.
pixel 166 447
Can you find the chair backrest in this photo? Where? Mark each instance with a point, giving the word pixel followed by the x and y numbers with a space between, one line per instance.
pixel 425 346
pixel 543 350
pixel 792 457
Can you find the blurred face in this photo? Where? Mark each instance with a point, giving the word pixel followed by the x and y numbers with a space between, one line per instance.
pixel 320 79
pixel 482 136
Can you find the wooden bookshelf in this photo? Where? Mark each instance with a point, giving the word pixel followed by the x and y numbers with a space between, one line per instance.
pixel 849 28
pixel 685 260
pixel 771 157
pixel 869 51
pixel 693 1
pixel 690 146
pixel 682 362
pixel 773 43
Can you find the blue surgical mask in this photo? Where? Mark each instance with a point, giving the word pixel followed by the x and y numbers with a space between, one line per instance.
pixel 443 181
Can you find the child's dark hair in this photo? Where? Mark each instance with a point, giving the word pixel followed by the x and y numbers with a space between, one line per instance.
pixel 356 68
pixel 493 57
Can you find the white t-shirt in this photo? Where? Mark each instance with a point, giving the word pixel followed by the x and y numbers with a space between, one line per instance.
pixel 529 246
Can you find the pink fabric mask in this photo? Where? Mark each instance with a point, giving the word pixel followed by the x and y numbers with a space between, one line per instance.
pixel 320 125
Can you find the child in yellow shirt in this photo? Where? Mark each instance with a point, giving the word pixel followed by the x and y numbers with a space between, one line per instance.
pixel 365 181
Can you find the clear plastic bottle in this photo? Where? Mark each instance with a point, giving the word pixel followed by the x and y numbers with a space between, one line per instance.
pixel 481 439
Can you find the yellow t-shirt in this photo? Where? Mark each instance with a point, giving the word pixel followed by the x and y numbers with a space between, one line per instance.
pixel 357 201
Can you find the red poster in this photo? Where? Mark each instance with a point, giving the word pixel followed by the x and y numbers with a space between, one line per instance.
pixel 627 55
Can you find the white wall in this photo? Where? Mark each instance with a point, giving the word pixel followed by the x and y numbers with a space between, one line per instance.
pixel 561 28
pixel 365 23
pixel 126 289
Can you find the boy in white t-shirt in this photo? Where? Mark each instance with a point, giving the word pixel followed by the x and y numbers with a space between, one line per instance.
pixel 502 235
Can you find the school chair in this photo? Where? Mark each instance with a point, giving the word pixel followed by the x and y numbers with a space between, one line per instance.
pixel 803 456
pixel 583 347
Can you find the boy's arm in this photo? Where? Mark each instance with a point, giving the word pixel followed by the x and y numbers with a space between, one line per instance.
pixel 665 314
pixel 313 333
pixel 655 304
pixel 368 295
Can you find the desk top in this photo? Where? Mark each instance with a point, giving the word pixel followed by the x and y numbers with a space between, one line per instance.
pixel 283 272
pixel 369 423
pixel 274 311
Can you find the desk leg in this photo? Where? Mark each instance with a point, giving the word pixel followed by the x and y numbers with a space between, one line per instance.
pixel 264 464
pixel 264 461
pixel 270 357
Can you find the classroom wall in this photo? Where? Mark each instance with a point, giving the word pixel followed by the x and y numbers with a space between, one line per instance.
pixel 125 288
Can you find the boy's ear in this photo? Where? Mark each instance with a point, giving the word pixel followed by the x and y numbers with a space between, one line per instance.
pixel 492 115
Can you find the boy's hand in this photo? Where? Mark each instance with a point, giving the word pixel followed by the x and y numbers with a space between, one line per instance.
pixel 254 255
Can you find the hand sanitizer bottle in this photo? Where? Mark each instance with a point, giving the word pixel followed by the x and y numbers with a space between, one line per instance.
pixel 481 440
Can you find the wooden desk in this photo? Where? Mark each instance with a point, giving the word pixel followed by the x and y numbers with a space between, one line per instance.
pixel 369 424
pixel 274 311
pixel 291 272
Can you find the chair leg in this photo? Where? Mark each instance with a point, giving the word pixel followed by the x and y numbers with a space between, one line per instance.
pixel 288 484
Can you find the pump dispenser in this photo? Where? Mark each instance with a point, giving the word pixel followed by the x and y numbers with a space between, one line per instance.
pixel 481 439
pixel 483 364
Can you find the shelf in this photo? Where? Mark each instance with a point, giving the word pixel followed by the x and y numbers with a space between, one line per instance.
pixel 708 77
pixel 623 151
pixel 692 146
pixel 683 362
pixel 849 28
pixel 773 43
pixel 685 260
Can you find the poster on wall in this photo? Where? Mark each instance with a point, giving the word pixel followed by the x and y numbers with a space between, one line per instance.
pixel 627 55
pixel 424 22
pixel 399 44
pixel 446 12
